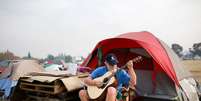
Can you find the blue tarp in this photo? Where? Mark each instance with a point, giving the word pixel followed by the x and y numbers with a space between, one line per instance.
pixel 6 85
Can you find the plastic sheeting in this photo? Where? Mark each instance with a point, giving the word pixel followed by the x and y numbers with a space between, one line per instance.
pixel 188 86
pixel 6 85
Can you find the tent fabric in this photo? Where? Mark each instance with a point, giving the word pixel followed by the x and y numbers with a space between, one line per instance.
pixel 188 86
pixel 20 69
pixel 177 64
pixel 143 40
pixel 3 65
pixel 7 72
pixel 145 86
pixel 24 67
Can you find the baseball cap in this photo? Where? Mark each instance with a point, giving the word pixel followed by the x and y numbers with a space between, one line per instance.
pixel 111 59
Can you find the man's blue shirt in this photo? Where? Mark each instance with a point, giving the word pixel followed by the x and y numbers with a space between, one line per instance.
pixel 121 75
pixel 99 72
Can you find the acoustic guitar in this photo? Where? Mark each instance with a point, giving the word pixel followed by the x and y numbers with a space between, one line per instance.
pixel 108 79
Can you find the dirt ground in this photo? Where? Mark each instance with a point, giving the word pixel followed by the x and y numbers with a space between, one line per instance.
pixel 194 66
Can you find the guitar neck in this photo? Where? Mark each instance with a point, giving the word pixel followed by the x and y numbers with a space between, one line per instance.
pixel 136 59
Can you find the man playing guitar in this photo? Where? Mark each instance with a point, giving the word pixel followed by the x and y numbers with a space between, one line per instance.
pixel 122 78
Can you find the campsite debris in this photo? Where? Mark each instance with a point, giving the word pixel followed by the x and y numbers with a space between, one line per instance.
pixel 54 85
pixel 49 88
pixel 15 70
pixel 54 67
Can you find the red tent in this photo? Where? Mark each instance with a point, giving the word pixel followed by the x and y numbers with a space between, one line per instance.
pixel 143 40
pixel 159 73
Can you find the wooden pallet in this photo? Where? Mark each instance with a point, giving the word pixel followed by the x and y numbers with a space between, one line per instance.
pixel 48 88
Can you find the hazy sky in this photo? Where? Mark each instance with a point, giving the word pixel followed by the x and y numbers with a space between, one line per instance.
pixel 75 26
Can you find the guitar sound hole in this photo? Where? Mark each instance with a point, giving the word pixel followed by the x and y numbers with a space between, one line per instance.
pixel 104 82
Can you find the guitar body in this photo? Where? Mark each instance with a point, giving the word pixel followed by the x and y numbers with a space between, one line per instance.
pixel 95 92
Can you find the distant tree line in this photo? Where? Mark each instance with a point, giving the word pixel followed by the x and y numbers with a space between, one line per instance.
pixel 191 53
pixel 8 56
pixel 56 59
pixel 62 57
